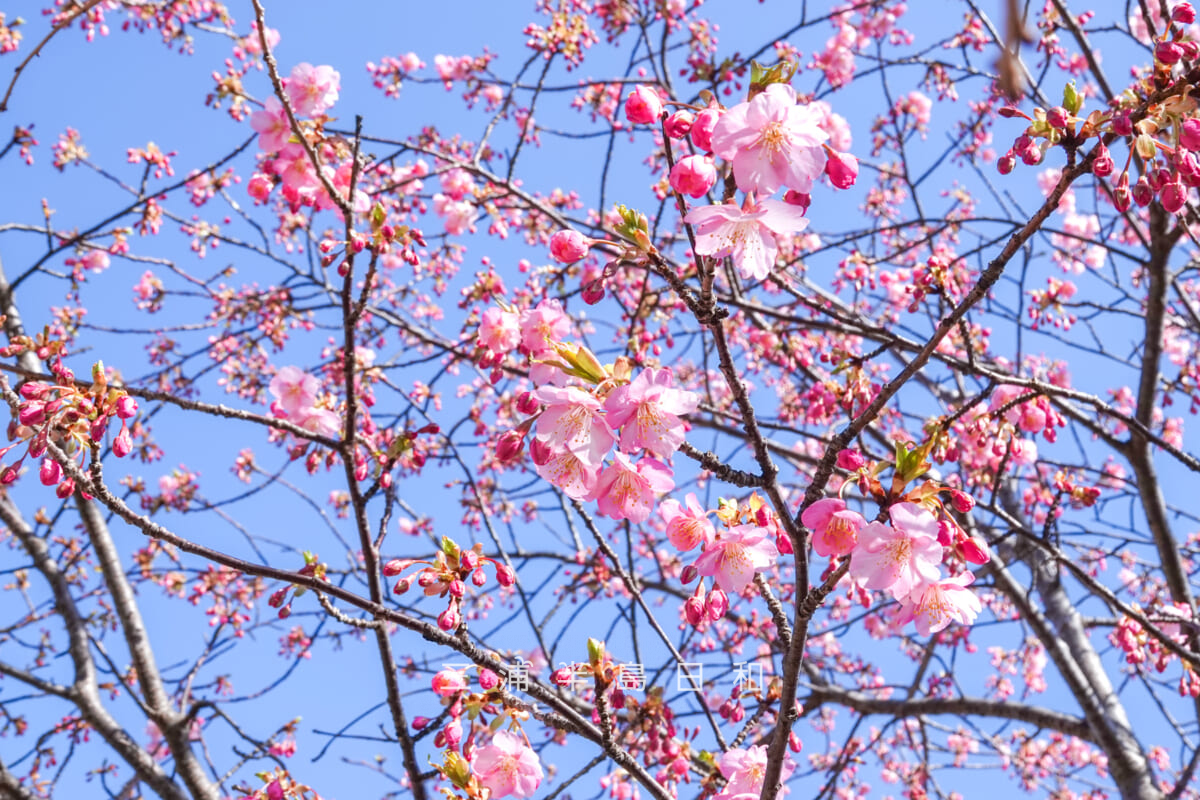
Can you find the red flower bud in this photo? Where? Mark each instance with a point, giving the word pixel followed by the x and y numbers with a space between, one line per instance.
pixel 479 577
pixel 842 169
pixel 679 124
pixel 851 460
pixel 643 106
pixel 689 574
pixel 527 403
pixel 123 444
pixel 449 619
pixel 716 604
pixel 65 489
pixel 488 680
pixel 505 576
pixel 567 246
pixel 127 407
pixel 50 473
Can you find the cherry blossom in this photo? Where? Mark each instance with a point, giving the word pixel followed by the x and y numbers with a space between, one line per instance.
pixel 772 142
pixel 736 555
pixel 313 90
pixel 572 422
pixel 272 125
pixel 900 556
pixel 626 491
pixel 744 770
pixel 835 529
pixel 507 766
pixel 746 236
pixel 294 390
pixel 686 527
pixel 647 412
pixel 933 606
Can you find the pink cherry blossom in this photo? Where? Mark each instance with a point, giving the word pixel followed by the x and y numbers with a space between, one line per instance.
pixel 572 422
pixel 772 142
pixel 933 606
pixel 835 529
pixel 688 527
pixel 272 125
pixel 507 766
pixel 499 330
pixel 646 410
pixel 312 90
pixel 740 552
pixel 320 421
pixel 745 769
pixel 294 390
pixel 543 327
pixel 565 469
pixel 626 491
pixel 900 556
pixel 747 236
pixel 703 127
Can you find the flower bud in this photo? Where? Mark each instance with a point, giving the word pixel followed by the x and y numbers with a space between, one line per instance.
pixel 1142 193
pixel 453 733
pixel 420 723
pixel 842 169
pixel 32 413
pixel 643 106
pixel 65 489
pixel 851 460
pixel 457 588
pixel 1189 134
pixel 540 452
pixel 34 390
pixel 702 128
pixel 1183 13
pixel 1058 117
pixel 1168 52
pixel 689 574
pixel 693 175
pixel 1173 196
pixel 593 292
pixel 275 790
pixel 488 680
pixel 402 586
pixel 479 578
pixel 127 407
pixel 693 609
pixel 568 246
pixel 1006 163
pixel 679 123
pixel 716 604
pixel 974 550
pixel 449 619
pixel 10 474
pixel 962 502
pixel 527 403
pixel 396 565
pixel 509 446
pixel 123 444
pixel 505 576
pixel 794 198
pixel 468 560
pixel 50 473
pixel 1102 164
pixel 448 682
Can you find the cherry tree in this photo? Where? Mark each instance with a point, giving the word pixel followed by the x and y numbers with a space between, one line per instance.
pixel 705 401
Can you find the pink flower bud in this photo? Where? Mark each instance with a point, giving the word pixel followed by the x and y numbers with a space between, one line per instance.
pixel 32 413
pixel 561 676
pixel 1168 52
pixel 693 175
pixel 277 597
pixel 716 604
pixel 1189 135
pixel 1190 50
pixel 1057 117
pixel 34 390
pixel 679 123
pixel 689 574
pixel 702 128
pixel 127 407
pixel 1006 163
pixel 123 444
pixel 962 502
pixel 50 473
pixel 1173 196
pixel 593 292
pixel 851 460
pixel 98 428
pixel 449 619
pixel 453 733
pixel 1142 193
pixel 65 489
pixel 974 550
pixel 468 560
pixel 488 680
pixel 401 586
pixel 420 723
pixel 842 169
pixel 259 187
pixel 509 446
pixel 540 452
pixel 693 609
pixel 643 106
pixel 568 246
pixel 448 682
pixel 505 576
pixel 1183 13
pixel 274 790
pixel 285 612
pixel 527 403
pixel 1102 164
pixel 479 577
pixel 794 198
pixel 457 588
pixel 10 474
pixel 395 566
pixel 783 544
